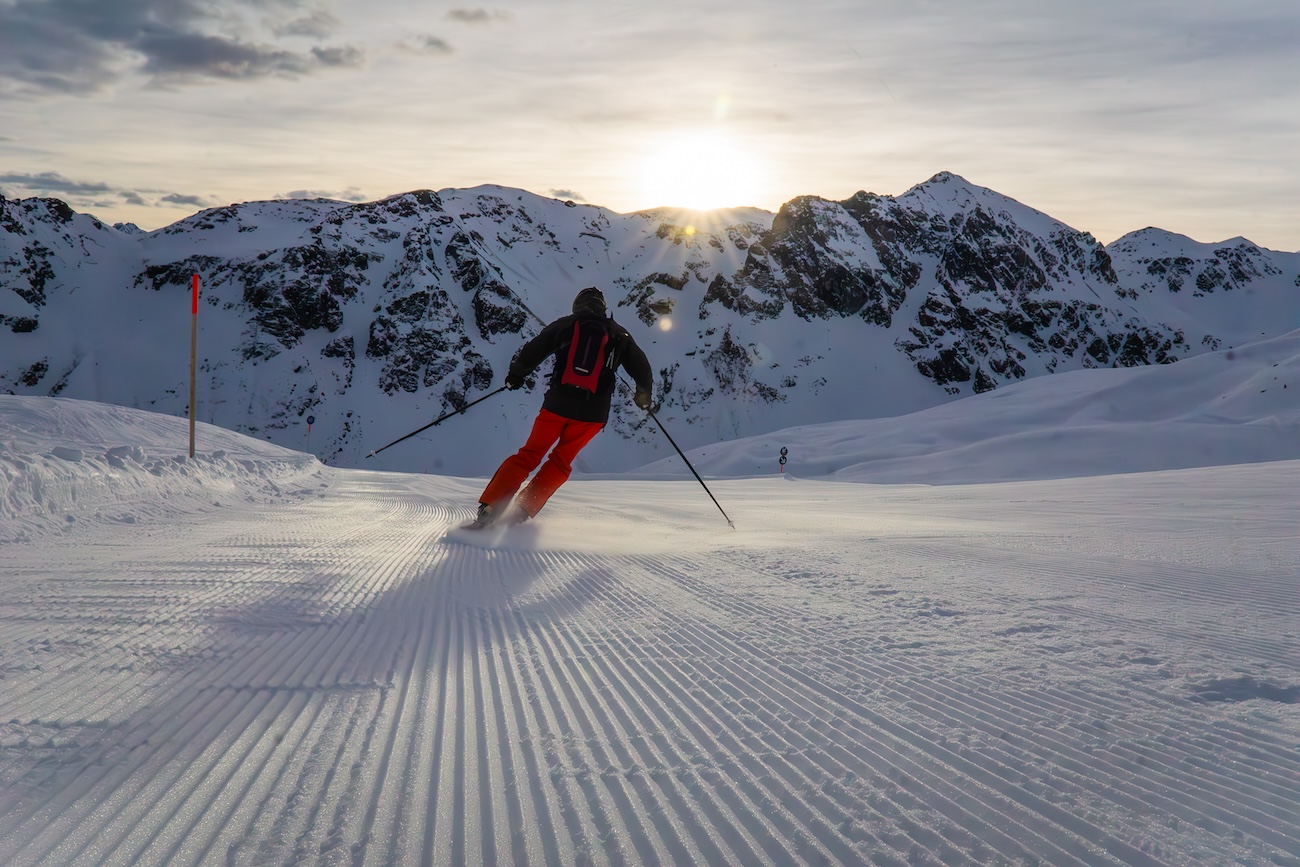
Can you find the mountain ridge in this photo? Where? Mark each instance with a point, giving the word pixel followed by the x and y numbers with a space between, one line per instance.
pixel 375 317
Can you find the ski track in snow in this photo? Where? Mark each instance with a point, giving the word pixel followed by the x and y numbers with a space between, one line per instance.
pixel 331 681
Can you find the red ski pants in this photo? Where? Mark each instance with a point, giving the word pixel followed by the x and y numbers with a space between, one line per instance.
pixel 549 428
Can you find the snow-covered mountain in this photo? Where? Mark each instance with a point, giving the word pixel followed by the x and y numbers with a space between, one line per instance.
pixel 375 318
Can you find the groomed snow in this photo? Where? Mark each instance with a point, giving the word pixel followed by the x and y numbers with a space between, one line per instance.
pixel 251 658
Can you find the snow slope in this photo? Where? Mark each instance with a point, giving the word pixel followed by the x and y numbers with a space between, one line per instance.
pixel 277 662
pixel 1235 406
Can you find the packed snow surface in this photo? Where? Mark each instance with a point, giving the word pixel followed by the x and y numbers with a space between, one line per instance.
pixel 247 657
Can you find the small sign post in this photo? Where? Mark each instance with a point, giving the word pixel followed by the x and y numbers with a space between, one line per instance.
pixel 784 452
pixel 194 349
pixel 311 420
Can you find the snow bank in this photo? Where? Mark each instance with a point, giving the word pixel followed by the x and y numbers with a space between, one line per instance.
pixel 68 461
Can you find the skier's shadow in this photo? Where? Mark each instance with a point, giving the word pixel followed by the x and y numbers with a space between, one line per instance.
pixel 524 584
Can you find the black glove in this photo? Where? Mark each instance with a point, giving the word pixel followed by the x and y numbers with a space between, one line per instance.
pixel 642 398
pixel 514 381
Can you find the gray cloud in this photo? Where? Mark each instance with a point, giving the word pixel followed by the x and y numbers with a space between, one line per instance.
pixel 567 194
pixel 318 23
pixel 351 194
pixel 339 55
pixel 188 201
pixel 185 56
pixel 477 16
pixel 81 46
pixel 53 183
pixel 99 194
pixel 172 55
pixel 426 43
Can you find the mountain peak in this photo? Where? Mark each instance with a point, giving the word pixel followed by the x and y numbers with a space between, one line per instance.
pixel 949 178
pixel 954 189
pixel 1155 239
pixel 955 195
pixel 951 185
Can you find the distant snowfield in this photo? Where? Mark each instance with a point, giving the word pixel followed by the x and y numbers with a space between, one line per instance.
pixel 1237 406
pixel 251 658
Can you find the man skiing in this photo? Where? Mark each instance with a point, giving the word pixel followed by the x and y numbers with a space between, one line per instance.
pixel 589 347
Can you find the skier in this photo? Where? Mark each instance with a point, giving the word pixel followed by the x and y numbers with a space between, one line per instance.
pixel 589 347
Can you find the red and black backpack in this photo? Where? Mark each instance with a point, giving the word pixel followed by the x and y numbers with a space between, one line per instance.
pixel 590 352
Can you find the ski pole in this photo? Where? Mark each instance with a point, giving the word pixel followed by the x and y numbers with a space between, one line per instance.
pixel 691 468
pixel 438 420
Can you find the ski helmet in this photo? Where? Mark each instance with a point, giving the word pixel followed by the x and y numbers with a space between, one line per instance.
pixel 589 300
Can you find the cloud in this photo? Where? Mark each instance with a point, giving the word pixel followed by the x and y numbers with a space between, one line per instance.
pixel 188 201
pixel 82 46
pixel 53 183
pixel 339 55
pixel 351 194
pixel 317 23
pixel 477 16
pixel 426 44
pixel 567 194
pixel 171 55
pixel 98 194
pixel 185 56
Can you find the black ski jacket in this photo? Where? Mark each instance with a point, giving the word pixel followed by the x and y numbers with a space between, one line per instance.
pixel 567 400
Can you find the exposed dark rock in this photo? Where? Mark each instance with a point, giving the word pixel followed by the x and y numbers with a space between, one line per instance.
pixel 466 268
pixel 33 375
pixel 497 311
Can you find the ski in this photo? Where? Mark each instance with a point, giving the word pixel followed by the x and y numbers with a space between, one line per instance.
pixel 510 516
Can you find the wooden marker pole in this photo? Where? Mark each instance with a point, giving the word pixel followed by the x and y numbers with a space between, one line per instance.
pixel 194 350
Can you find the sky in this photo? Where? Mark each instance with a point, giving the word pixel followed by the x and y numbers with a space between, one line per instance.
pixel 1111 116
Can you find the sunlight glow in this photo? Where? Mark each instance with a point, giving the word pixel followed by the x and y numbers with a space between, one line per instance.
pixel 701 171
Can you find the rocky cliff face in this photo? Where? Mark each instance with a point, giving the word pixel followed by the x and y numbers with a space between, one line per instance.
pixel 376 317
pixel 993 299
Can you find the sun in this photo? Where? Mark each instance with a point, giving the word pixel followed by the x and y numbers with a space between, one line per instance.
pixel 701 171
